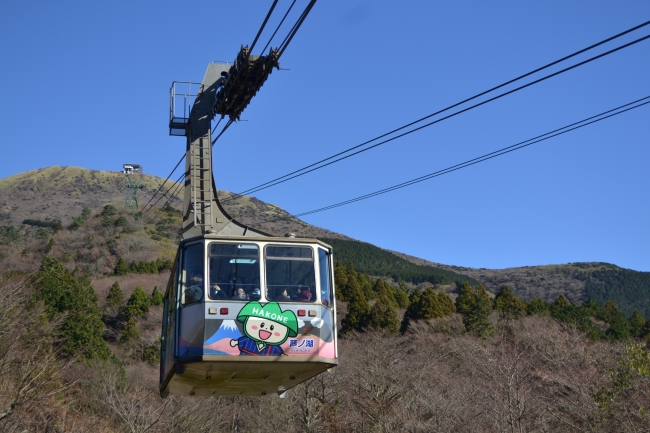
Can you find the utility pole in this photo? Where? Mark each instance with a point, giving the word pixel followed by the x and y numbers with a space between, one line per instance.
pixel 133 184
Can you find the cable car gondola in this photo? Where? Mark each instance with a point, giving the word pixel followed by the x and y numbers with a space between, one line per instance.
pixel 245 313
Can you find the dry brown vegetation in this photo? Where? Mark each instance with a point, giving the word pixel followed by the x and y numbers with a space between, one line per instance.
pixel 534 375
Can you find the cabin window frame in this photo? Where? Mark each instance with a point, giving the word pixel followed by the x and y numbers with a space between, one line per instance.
pixel 259 270
pixel 183 281
pixel 327 271
pixel 315 292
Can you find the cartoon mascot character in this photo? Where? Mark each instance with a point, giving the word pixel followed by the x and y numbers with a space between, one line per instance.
pixel 265 329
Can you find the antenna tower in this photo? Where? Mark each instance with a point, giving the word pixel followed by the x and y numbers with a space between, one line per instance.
pixel 133 184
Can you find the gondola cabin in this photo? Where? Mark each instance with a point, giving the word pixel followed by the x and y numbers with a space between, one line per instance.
pixel 245 313
pixel 247 316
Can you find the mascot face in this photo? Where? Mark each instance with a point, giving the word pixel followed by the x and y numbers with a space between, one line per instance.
pixel 268 324
pixel 266 331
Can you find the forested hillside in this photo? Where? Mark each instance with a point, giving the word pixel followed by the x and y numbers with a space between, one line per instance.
pixel 80 309
pixel 372 260
pixel 628 289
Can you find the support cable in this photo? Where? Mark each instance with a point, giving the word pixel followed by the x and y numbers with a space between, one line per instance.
pixel 230 122
pixel 295 28
pixel 165 193
pixel 176 190
pixel 278 28
pixel 163 184
pixel 275 2
pixel 304 170
pixel 572 127
pixel 215 126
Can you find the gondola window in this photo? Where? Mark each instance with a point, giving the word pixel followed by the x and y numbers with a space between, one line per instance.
pixel 192 274
pixel 234 272
pixel 290 274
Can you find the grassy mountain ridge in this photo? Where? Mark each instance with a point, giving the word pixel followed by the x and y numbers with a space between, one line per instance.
pixel 579 281
pixel 61 193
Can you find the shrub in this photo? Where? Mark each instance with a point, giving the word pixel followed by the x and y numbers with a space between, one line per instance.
pixel 157 298
pixel 115 297
pixel 130 332
pixel 121 268
pixel 64 294
pixel 138 304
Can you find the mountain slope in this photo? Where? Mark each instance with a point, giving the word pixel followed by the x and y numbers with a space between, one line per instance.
pixel 61 193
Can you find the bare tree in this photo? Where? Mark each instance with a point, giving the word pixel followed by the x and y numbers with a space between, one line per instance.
pixel 31 371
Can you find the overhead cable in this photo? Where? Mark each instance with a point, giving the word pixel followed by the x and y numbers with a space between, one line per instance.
pixel 294 30
pixel 230 122
pixel 503 151
pixel 572 127
pixel 275 2
pixel 289 176
pixel 173 194
pixel 278 27
pixel 166 193
pixel 163 184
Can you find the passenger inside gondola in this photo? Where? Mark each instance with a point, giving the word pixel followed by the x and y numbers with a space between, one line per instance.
pixel 194 289
pixel 216 292
pixel 283 296
pixel 240 294
pixel 324 296
pixel 234 267
pixel 305 295
pixel 255 294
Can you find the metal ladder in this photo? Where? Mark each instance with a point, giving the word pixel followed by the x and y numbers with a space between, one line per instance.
pixel 202 193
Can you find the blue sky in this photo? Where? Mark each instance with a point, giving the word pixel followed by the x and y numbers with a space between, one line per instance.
pixel 86 84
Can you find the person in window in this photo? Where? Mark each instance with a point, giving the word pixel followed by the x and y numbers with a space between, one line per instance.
pixel 216 292
pixel 296 293
pixel 240 295
pixel 305 296
pixel 283 297
pixel 256 294
pixel 324 297
pixel 194 290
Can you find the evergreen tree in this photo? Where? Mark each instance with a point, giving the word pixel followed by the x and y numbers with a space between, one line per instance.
pixel 358 309
pixel 508 304
pixel 446 303
pixel 130 332
pixel 478 320
pixel 466 299
pixel 429 306
pixel 121 268
pixel 157 299
pixel 402 298
pixel 341 281
pixel 476 307
pixel 562 302
pixel 109 210
pixel 412 311
pixel 138 303
pixel 637 322
pixel 366 286
pixel 383 291
pixel 537 306
pixel 619 326
pixel 383 315
pixel 64 294
pixel 121 222
pixel 115 297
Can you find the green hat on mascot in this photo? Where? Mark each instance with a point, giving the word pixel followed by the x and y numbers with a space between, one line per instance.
pixel 272 312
